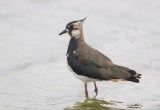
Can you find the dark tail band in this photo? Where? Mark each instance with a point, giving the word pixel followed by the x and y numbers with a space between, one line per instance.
pixel 134 76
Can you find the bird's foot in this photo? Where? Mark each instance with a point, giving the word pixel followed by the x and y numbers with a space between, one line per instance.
pixel 86 94
pixel 96 91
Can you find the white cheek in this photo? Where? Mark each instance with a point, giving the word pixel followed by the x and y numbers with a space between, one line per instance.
pixel 75 33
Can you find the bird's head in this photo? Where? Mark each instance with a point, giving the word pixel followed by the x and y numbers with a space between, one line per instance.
pixel 74 28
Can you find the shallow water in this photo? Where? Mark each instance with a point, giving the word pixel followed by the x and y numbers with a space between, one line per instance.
pixel 33 73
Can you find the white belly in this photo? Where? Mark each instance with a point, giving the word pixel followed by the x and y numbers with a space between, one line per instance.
pixel 82 78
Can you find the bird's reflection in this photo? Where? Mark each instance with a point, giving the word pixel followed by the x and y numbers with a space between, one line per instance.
pixel 92 104
pixel 99 104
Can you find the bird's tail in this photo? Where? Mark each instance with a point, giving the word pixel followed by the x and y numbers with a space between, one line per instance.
pixel 134 76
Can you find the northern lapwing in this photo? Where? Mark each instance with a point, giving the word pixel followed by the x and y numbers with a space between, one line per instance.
pixel 90 65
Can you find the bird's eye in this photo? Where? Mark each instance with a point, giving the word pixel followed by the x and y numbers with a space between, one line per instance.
pixel 71 26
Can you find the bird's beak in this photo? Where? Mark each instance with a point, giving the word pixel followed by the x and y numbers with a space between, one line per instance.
pixel 63 32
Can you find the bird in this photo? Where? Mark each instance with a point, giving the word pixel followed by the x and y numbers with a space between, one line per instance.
pixel 90 65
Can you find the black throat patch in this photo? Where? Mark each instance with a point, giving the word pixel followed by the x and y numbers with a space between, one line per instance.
pixel 73 44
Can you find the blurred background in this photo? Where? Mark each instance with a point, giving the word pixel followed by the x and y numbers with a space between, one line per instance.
pixel 33 72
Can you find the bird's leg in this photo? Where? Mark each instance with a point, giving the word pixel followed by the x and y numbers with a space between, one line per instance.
pixel 86 91
pixel 96 89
